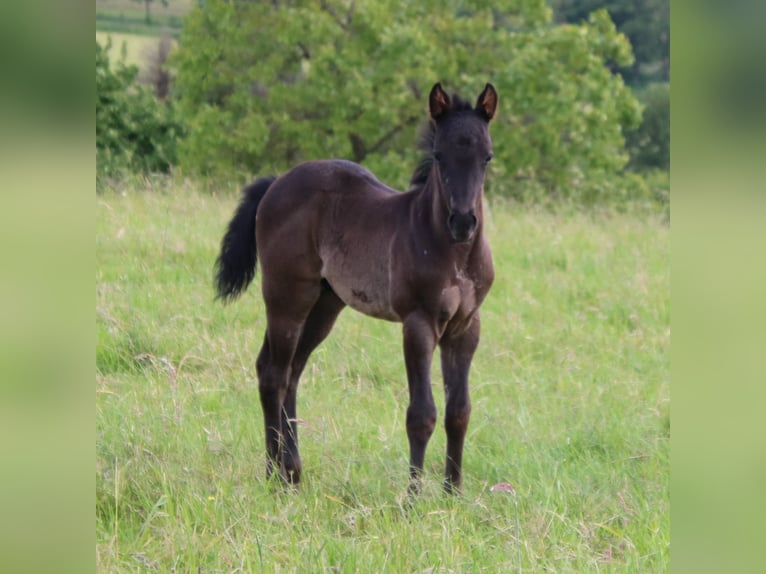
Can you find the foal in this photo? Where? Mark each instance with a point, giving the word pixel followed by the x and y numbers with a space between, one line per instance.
pixel 329 234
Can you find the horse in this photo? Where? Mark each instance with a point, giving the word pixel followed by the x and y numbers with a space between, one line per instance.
pixel 328 235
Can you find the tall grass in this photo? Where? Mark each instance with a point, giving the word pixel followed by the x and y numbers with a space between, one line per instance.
pixel 570 391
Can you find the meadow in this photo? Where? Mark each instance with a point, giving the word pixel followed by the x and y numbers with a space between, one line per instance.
pixel 136 47
pixel 570 391
pixel 125 22
pixel 129 16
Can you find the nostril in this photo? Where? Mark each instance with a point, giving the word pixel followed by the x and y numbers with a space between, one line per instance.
pixel 462 225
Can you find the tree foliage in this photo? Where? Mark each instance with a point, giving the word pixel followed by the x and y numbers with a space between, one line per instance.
pixel 134 131
pixel 649 144
pixel 646 23
pixel 264 85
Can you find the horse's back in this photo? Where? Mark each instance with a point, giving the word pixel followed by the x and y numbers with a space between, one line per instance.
pixel 329 177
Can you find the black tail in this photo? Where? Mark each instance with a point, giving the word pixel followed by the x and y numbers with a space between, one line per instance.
pixel 235 266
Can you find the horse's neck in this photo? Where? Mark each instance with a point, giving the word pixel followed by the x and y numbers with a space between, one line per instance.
pixel 432 197
pixel 426 216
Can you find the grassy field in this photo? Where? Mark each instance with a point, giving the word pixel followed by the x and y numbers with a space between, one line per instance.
pixel 129 16
pixel 136 47
pixel 570 391
pixel 124 22
pixel 134 8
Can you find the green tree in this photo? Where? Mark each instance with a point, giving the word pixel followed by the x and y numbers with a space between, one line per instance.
pixel 646 23
pixel 263 85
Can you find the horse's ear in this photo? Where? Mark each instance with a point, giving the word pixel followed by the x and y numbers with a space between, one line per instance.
pixel 438 101
pixel 487 102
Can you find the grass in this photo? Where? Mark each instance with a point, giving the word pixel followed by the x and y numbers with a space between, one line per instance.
pixel 570 389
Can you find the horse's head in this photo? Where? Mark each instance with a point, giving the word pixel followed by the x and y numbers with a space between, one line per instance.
pixel 462 149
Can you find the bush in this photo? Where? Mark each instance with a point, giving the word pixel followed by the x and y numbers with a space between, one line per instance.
pixel 134 131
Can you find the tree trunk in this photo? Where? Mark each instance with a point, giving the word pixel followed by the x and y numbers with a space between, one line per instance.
pixel 148 14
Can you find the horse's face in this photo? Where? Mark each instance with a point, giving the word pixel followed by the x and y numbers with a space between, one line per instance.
pixel 462 150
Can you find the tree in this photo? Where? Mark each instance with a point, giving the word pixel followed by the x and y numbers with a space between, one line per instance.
pixel 155 73
pixel 646 23
pixel 264 85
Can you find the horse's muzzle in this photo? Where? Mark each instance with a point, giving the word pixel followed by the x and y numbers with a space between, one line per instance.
pixel 462 226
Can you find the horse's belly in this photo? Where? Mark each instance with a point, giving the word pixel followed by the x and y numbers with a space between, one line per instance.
pixel 366 291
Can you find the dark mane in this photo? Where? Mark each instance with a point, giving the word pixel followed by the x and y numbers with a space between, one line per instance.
pixel 426 143
pixel 426 148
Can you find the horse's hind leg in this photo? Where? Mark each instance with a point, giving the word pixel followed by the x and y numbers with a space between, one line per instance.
pixel 287 308
pixel 315 330
pixel 273 433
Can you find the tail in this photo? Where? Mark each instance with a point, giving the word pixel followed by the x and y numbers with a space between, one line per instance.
pixel 235 266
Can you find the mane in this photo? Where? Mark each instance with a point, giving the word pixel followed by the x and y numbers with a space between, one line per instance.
pixel 426 143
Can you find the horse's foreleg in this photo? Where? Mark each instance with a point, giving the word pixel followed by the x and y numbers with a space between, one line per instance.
pixel 456 354
pixel 419 344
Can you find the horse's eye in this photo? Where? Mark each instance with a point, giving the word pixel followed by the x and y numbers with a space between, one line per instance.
pixel 488 158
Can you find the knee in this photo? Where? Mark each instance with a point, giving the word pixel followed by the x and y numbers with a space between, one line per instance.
pixel 421 421
pixel 456 418
pixel 271 380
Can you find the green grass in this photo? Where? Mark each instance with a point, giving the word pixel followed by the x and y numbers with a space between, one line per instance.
pixel 570 390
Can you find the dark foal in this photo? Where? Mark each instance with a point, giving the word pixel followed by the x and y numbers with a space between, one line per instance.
pixel 329 234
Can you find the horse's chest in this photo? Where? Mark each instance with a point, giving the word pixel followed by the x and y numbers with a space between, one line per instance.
pixel 457 300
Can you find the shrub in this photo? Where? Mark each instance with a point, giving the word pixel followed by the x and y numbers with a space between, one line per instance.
pixel 134 131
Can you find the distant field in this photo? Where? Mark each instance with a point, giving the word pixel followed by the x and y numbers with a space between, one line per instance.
pixel 174 7
pixel 135 46
pixel 571 405
pixel 130 17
